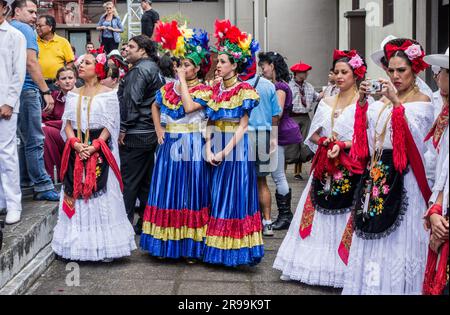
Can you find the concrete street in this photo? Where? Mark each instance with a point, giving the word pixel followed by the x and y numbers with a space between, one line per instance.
pixel 141 274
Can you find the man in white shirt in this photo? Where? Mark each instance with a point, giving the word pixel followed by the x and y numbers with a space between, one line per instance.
pixel 12 76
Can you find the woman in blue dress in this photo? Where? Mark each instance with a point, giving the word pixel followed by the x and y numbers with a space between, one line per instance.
pixel 177 213
pixel 234 234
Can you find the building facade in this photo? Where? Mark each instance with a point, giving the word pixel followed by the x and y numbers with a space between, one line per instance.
pixel 363 24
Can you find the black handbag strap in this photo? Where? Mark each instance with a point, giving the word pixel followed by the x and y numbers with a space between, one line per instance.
pixel 258 77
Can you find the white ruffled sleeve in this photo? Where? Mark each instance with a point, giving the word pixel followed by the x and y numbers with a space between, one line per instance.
pixel 321 124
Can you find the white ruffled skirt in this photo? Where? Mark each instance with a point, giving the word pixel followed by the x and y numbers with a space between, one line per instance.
pixel 99 229
pixel 394 265
pixel 314 260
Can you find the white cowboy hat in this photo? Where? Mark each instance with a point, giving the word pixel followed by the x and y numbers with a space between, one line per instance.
pixel 114 52
pixel 439 60
pixel 379 54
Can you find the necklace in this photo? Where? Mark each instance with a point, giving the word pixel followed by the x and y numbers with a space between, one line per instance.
pixel 230 82
pixel 79 133
pixel 378 149
pixel 334 112
pixel 193 82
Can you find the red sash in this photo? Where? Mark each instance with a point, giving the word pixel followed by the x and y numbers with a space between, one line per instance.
pixel 85 189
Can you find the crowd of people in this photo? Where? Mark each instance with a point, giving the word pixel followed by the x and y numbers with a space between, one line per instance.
pixel 181 134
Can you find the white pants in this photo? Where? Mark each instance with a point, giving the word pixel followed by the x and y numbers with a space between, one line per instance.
pixel 10 193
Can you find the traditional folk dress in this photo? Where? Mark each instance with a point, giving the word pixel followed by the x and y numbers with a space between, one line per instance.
pixel 389 245
pixel 437 270
pixel 92 222
pixel 309 252
pixel 234 234
pixel 177 213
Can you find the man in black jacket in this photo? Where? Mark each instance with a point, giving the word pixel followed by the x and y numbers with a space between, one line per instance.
pixel 149 18
pixel 137 138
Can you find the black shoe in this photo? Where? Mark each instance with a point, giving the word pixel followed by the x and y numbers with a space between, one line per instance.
pixel 138 227
pixel 284 212
pixel 299 177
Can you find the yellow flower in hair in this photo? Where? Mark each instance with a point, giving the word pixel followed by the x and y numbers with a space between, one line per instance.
pixel 180 51
pixel 245 44
pixel 187 32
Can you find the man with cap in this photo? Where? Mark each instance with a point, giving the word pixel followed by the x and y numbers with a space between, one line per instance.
pixel 436 218
pixel 12 76
pixel 379 59
pixel 305 97
pixel 149 18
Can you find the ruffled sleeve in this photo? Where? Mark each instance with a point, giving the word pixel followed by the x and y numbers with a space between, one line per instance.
pixel 202 95
pixel 321 124
pixel 233 104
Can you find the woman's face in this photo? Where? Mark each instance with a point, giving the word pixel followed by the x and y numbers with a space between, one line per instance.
pixel 268 70
pixel 109 9
pixel 66 81
pixel 190 68
pixel 401 74
pixel 86 70
pixel 343 74
pixel 225 68
pixel 443 82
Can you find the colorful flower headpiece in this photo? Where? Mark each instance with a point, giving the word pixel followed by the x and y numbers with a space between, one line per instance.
pixel 236 44
pixel 183 42
pixel 101 59
pixel 356 62
pixel 413 51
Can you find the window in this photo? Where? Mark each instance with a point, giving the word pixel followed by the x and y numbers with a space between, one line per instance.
pixel 388 12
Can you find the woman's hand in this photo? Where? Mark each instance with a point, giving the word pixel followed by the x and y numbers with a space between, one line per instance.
pixel 439 226
pixel 211 158
pixel 363 92
pixel 181 74
pixel 161 135
pixel 334 153
pixel 390 92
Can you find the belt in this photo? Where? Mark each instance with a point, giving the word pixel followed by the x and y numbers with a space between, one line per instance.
pixel 227 126
pixel 183 128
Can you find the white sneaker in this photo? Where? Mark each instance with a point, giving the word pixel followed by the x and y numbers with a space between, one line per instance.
pixel 285 278
pixel 13 217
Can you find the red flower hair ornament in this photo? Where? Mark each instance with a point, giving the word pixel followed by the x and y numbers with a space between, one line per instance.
pixel 100 66
pixel 356 62
pixel 414 53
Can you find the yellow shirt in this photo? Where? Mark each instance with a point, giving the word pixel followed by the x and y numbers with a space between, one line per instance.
pixel 53 55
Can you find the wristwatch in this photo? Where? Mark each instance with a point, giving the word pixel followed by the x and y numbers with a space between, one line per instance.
pixel 48 92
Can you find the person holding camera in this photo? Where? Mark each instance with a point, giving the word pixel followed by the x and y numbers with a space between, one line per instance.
pixel 436 218
pixel 110 27
pixel 309 252
pixel 389 246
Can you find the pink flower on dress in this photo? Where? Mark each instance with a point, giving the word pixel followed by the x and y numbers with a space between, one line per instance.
pixel 413 52
pixel 338 176
pixel 386 189
pixel 375 192
pixel 356 62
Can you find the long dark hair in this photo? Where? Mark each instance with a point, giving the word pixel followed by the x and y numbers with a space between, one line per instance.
pixel 280 66
pixel 148 45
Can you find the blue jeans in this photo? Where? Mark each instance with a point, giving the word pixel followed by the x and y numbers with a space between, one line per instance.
pixel 32 165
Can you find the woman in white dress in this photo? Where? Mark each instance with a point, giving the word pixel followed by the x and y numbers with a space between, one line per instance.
pixel 309 252
pixel 92 223
pixel 389 245
pixel 436 273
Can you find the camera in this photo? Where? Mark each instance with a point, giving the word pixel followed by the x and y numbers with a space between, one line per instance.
pixel 375 87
